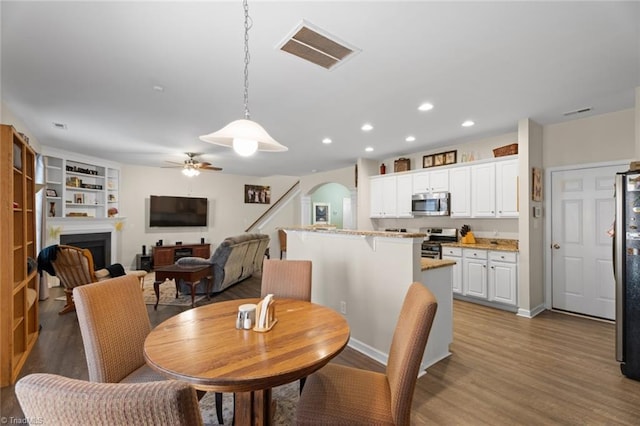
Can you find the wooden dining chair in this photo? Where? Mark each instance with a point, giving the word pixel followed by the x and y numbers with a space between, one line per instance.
pixel 73 267
pixel 282 237
pixel 338 394
pixel 59 400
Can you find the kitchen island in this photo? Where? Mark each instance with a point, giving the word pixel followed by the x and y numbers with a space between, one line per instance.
pixel 365 276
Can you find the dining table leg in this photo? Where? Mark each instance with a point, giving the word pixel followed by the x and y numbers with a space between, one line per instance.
pixel 254 408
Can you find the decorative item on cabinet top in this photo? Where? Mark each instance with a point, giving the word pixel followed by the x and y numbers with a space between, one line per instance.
pixel 506 150
pixel 402 165
pixel 440 159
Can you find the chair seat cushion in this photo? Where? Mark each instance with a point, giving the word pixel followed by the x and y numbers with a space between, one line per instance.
pixel 340 395
pixel 142 375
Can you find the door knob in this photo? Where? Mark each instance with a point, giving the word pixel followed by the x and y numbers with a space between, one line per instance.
pixel 556 246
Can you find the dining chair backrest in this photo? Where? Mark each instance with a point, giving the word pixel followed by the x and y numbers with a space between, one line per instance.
pixel 282 238
pixel 287 279
pixel 407 347
pixel 114 323
pixel 59 400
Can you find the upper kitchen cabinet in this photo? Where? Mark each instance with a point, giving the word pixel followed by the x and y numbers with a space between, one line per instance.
pixel 507 189
pixel 391 196
pixel 383 196
pixel 460 189
pixel 494 189
pixel 404 186
pixel 431 181
pixel 483 190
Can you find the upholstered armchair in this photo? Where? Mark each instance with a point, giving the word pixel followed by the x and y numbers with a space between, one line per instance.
pixel 58 400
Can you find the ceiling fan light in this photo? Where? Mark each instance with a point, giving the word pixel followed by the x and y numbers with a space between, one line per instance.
pixel 247 130
pixel 190 171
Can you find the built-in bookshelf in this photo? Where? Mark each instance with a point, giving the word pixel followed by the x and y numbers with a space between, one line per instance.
pixel 80 189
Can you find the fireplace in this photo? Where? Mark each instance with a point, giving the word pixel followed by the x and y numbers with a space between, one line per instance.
pixel 99 244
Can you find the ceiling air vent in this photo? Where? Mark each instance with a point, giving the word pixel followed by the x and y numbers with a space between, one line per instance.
pixel 312 44
pixel 577 111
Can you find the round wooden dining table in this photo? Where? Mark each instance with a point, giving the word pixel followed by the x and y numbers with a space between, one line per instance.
pixel 202 346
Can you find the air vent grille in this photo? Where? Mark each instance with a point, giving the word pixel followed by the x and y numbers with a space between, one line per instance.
pixel 317 46
pixel 577 111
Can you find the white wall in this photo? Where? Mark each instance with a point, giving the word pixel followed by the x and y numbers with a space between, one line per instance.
pixel 228 214
pixel 601 138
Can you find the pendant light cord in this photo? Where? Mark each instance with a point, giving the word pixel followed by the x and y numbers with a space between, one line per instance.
pixel 248 23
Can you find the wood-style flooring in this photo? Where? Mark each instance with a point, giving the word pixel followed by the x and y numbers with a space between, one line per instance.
pixel 504 370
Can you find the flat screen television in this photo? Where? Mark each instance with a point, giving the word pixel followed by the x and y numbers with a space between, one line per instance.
pixel 167 211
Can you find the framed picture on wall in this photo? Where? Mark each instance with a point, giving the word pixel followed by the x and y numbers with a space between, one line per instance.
pixel 321 213
pixel 256 194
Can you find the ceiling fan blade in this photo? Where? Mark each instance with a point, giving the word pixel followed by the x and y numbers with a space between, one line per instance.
pixel 202 164
pixel 172 167
pixel 217 169
pixel 174 162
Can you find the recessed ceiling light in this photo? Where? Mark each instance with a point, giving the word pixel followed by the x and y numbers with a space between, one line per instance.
pixel 326 141
pixel 314 170
pixel 366 127
pixel 60 126
pixel 425 107
pixel 468 123
pixel 158 88
pixel 368 149
pixel 410 139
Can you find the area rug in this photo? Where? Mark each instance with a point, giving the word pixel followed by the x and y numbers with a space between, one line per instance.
pixel 285 397
pixel 167 294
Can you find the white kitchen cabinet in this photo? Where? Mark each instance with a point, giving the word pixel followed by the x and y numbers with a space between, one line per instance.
pixel 507 188
pixel 432 181
pixel 460 191
pixel 474 273
pixel 503 278
pixel 404 191
pixel 483 190
pixel 455 254
pixel 383 197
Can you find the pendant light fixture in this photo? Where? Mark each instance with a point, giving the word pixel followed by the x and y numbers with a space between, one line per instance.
pixel 244 135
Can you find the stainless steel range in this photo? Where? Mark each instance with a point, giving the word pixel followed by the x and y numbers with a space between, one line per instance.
pixel 432 244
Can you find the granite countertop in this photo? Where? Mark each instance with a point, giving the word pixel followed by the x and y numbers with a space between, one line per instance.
pixel 330 230
pixel 427 263
pixel 488 244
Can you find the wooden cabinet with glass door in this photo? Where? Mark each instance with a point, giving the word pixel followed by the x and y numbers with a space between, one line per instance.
pixel 18 275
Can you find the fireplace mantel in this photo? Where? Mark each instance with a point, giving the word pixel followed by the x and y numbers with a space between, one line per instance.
pixel 65 226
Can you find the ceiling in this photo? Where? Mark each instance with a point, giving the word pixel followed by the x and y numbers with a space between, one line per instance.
pixel 93 66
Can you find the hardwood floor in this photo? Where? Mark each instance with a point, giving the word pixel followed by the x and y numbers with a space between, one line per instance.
pixel 553 369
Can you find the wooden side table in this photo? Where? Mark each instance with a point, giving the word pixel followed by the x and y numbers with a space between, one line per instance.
pixel 192 275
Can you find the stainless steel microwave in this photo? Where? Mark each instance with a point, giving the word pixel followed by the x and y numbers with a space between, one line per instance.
pixel 430 204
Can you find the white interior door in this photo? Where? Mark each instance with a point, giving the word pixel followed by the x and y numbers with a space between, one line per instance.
pixel 582 213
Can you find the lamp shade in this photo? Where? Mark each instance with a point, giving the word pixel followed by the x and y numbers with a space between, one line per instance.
pixel 246 130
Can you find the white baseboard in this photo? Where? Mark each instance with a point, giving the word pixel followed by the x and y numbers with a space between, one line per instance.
pixel 369 351
pixel 531 313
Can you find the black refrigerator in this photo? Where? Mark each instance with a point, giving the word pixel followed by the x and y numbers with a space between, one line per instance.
pixel 626 261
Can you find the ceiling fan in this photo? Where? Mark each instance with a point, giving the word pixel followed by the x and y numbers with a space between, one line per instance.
pixel 191 167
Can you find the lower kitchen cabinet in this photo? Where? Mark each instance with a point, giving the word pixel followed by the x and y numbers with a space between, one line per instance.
pixel 455 254
pixel 503 277
pixel 474 273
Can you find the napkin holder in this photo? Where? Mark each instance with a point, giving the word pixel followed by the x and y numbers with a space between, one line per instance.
pixel 270 319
